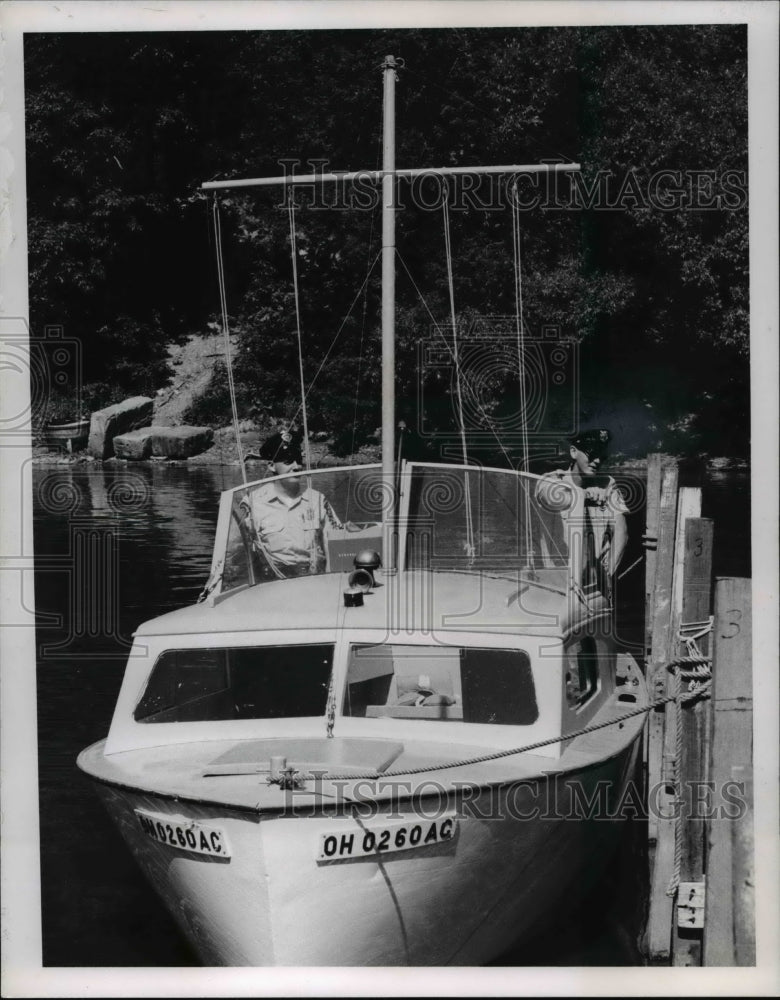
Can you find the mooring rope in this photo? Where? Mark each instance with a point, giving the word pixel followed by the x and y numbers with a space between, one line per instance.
pixel 695 668
pixel 498 754
pixel 674 881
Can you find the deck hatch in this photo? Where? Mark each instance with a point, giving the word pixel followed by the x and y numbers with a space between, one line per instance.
pixel 359 755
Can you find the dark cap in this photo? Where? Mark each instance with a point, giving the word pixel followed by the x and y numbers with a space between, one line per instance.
pixel 595 443
pixel 284 447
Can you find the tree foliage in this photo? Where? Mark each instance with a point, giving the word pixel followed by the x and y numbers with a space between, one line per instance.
pixel 123 128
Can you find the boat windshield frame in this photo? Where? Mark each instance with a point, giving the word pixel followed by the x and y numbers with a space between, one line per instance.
pixel 511 569
pixel 443 480
pixel 214 588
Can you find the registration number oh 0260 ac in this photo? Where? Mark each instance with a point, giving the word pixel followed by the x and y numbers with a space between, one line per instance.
pixel 403 835
pixel 186 835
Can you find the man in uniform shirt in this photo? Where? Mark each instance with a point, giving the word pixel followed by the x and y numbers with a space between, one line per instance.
pixel 603 533
pixel 604 502
pixel 290 520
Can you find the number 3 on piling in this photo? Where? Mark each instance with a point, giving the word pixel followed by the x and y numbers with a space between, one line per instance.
pixel 736 614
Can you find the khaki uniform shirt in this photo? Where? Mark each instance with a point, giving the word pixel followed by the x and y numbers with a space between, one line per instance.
pixel 292 530
pixel 597 531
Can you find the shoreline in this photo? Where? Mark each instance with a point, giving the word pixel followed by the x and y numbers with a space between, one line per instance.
pixel 366 456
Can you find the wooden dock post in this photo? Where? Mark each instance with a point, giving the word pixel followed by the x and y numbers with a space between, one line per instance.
pixel 658 611
pixel 694 765
pixel 729 922
pixel 655 466
pixel 664 762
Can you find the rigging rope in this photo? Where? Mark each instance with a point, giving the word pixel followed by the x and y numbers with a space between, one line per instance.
pixel 215 350
pixel 226 333
pixel 520 330
pixel 294 255
pixel 338 332
pixel 470 546
pixel 362 334
pixel 448 346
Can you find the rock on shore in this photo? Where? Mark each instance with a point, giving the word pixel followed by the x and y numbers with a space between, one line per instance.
pixel 163 442
pixel 106 424
pixel 180 442
pixel 135 445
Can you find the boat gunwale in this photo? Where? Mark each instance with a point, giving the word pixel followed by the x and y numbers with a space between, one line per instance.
pixel 316 807
pixel 631 725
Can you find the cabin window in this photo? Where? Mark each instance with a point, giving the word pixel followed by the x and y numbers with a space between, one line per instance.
pixel 258 682
pixel 441 683
pixel 582 672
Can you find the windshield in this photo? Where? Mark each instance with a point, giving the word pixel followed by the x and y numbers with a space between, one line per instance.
pixel 484 521
pixel 302 524
pixel 452 518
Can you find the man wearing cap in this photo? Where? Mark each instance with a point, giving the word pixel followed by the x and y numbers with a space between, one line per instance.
pixel 604 529
pixel 289 520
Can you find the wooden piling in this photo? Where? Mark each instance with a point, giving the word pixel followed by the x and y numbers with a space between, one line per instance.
pixel 729 927
pixel 650 545
pixel 743 854
pixel 658 611
pixel 695 609
pixel 655 466
pixel 703 769
pixel 663 772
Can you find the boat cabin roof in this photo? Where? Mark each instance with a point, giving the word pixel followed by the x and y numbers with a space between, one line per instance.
pixel 413 602
pixel 480 550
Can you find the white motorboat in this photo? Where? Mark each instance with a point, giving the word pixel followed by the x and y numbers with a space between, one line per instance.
pixel 415 756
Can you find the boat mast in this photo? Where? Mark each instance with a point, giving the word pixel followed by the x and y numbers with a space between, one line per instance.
pixel 388 298
pixel 389 175
pixel 388 306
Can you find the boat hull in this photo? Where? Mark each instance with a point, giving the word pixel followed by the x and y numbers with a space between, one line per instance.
pixel 517 853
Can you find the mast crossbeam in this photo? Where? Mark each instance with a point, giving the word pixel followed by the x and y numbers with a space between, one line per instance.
pixel 378 175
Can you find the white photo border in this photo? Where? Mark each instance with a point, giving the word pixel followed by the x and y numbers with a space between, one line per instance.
pixel 23 975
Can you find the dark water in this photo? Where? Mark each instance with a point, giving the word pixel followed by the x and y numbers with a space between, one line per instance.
pixel 117 546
